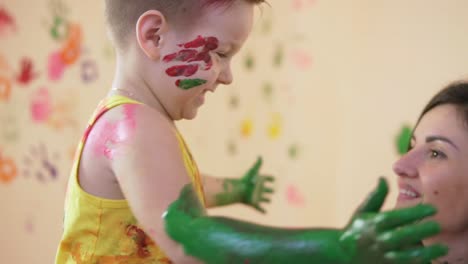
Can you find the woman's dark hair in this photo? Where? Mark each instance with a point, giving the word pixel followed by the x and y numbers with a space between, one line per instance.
pixel 455 94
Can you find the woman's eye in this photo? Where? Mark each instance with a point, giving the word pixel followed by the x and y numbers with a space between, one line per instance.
pixel 437 154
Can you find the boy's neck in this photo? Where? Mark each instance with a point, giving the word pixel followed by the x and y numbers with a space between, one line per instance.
pixel 457 244
pixel 127 82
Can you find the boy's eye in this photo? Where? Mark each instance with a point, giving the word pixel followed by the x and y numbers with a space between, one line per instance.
pixel 221 55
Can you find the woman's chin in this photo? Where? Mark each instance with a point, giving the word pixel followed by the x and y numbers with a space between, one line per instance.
pixel 404 203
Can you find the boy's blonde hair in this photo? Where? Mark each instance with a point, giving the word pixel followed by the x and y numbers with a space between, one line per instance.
pixel 122 15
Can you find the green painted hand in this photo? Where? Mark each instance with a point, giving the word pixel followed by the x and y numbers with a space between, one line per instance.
pixel 255 187
pixel 373 237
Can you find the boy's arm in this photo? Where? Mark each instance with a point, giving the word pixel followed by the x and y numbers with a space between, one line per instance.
pixel 251 189
pixel 149 168
pixel 371 237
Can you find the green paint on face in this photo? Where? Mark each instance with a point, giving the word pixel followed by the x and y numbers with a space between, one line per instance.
pixel 187 84
pixel 403 139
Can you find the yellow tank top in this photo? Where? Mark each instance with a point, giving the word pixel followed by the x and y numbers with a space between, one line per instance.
pixel 103 231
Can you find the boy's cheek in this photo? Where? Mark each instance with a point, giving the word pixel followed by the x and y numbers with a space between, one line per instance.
pixel 192 65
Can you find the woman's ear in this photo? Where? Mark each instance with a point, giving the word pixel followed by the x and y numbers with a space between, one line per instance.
pixel 150 28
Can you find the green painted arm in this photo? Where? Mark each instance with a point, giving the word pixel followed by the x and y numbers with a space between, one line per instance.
pixel 251 189
pixel 370 237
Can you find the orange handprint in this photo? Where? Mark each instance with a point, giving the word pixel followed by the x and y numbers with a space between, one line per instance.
pixel 72 49
pixel 8 170
pixel 5 89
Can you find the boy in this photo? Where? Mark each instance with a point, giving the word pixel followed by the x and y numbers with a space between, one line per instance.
pixel 123 200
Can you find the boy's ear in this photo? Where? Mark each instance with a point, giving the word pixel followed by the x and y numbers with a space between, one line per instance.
pixel 149 29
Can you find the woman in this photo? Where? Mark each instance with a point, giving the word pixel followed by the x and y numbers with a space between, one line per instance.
pixel 435 168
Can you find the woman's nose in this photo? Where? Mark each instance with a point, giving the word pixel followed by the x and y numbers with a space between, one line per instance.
pixel 406 166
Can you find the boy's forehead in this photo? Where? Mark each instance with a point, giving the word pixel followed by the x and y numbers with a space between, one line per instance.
pixel 230 25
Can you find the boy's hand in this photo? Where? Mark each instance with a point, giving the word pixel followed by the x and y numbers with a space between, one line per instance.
pixel 383 237
pixel 255 187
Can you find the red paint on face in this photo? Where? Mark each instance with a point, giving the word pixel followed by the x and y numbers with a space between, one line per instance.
pixel 26 74
pixel 193 56
pixel 182 70
pixel 196 43
pixel 183 55
pixel 211 43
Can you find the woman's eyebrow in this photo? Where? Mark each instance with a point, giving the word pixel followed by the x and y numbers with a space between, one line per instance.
pixel 441 138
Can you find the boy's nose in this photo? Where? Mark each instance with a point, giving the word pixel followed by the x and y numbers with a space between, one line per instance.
pixel 225 76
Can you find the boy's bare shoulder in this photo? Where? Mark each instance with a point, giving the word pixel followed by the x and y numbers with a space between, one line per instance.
pixel 149 140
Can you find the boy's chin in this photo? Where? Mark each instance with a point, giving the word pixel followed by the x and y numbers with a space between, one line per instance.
pixel 189 115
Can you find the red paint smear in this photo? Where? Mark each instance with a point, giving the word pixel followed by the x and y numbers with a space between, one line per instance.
pixel 183 55
pixel 211 43
pixel 190 54
pixel 27 73
pixel 56 66
pixel 205 57
pixel 302 60
pixel 89 127
pixel 129 115
pixel 41 106
pixel 141 240
pixel 107 138
pixel 196 43
pixel 182 70
pixel 114 133
pixel 6 20
pixel 294 197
